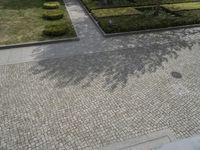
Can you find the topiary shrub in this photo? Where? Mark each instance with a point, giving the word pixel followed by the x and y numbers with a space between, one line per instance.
pixel 56 29
pixel 51 5
pixel 54 14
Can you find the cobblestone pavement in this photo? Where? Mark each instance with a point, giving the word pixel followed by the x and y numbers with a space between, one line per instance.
pixel 85 102
pixel 98 91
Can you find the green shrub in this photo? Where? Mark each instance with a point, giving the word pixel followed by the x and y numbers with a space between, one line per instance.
pixel 56 29
pixel 115 12
pixel 51 5
pixel 54 14
pixel 182 6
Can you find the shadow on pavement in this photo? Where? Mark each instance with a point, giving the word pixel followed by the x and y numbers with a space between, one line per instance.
pixel 115 67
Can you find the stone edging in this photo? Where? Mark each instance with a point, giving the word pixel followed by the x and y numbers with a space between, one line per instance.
pixel 152 30
pixel 38 43
pixel 135 32
pixel 92 18
pixel 148 141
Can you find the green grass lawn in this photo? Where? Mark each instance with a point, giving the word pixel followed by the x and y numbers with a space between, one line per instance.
pixel 21 21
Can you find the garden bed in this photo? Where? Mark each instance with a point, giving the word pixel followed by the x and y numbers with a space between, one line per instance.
pixel 21 22
pixel 115 12
pixel 182 6
pixel 92 4
pixel 139 18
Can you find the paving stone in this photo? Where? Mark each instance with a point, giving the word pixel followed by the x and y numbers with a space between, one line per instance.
pixel 147 142
pixel 93 100
pixel 100 91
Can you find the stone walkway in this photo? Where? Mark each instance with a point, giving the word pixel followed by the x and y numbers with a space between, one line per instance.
pixel 86 102
pixel 90 95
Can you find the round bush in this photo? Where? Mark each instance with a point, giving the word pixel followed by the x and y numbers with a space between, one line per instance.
pixel 56 29
pixel 54 14
pixel 51 5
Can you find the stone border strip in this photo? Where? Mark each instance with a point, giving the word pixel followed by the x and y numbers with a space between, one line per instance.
pixel 151 30
pixel 135 32
pixel 146 142
pixel 38 43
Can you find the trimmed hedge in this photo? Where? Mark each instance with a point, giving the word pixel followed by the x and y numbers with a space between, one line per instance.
pixel 123 11
pixel 56 29
pixel 144 22
pixel 182 6
pixel 51 5
pixel 99 4
pixel 54 14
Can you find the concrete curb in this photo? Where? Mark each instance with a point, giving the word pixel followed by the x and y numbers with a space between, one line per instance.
pixel 152 30
pixel 145 142
pixel 38 43
pixel 135 32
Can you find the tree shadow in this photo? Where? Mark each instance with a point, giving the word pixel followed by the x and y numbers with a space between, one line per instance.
pixel 115 67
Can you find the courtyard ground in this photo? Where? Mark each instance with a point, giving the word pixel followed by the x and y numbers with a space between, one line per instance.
pixel 95 92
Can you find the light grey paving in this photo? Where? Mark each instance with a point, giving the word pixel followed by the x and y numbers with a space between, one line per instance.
pixel 4 56
pixel 192 143
pixel 86 102
pixel 147 142
pixel 89 94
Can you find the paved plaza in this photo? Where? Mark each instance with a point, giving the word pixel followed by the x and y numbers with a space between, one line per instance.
pixel 88 94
